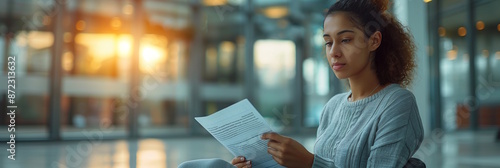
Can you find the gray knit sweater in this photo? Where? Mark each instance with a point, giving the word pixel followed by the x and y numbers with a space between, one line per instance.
pixel 383 130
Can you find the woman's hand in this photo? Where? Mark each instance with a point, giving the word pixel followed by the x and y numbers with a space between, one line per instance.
pixel 241 162
pixel 288 152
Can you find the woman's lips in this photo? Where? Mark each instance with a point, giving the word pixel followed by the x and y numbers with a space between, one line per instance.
pixel 337 66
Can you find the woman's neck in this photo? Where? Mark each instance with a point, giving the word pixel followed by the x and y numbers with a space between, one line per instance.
pixel 364 85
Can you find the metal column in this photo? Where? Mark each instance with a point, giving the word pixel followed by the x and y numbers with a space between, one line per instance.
pixel 135 95
pixel 249 60
pixel 471 44
pixel 55 82
pixel 298 90
pixel 303 50
pixel 9 34
pixel 194 69
pixel 435 74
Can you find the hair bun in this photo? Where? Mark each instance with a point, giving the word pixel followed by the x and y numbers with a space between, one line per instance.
pixel 381 5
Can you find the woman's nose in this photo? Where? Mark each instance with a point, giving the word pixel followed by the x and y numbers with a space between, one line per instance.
pixel 334 52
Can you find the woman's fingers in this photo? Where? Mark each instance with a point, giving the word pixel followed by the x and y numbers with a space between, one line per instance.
pixel 278 160
pixel 237 160
pixel 241 162
pixel 275 145
pixel 273 136
pixel 246 164
pixel 274 152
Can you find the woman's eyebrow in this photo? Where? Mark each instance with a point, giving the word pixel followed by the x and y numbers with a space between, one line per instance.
pixel 339 33
pixel 345 31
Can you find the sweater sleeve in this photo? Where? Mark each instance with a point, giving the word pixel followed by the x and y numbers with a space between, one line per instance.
pixel 399 132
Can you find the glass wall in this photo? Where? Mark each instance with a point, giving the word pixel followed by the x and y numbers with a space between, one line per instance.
pixel 487 28
pixel 454 63
pixel 318 76
pixel 222 59
pixel 94 81
pixel 458 36
pixel 29 43
pixel 164 53
pixel 97 64
pixel 146 68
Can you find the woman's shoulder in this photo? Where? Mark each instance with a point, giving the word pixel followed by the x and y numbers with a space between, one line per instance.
pixel 397 93
pixel 398 101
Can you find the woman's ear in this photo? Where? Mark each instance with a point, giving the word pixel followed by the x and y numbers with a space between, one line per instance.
pixel 375 40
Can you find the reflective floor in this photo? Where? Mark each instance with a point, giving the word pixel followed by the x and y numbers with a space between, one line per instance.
pixel 459 149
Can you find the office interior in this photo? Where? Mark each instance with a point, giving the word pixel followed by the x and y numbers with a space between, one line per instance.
pixel 117 83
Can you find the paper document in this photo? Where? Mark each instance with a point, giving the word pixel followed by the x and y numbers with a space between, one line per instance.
pixel 239 127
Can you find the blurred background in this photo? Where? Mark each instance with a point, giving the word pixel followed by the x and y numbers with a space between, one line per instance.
pixel 117 83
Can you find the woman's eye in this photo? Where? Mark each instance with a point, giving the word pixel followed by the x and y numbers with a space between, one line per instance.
pixel 328 44
pixel 346 40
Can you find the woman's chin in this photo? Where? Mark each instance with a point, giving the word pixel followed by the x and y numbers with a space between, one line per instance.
pixel 340 75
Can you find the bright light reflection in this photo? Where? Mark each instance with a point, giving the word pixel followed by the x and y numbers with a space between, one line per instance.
pixel 124 45
pixel 150 54
pixel 35 39
pixel 67 61
pixel 103 46
pixel 121 155
pixel 100 46
pixel 275 61
pixel 151 154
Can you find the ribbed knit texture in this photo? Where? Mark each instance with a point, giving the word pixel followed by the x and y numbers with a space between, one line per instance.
pixel 383 130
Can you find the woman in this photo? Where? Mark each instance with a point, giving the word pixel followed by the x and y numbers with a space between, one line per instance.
pixel 377 123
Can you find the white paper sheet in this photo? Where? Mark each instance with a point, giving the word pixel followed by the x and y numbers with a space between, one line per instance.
pixel 239 127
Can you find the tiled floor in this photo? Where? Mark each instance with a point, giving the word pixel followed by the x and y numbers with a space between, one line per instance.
pixel 454 150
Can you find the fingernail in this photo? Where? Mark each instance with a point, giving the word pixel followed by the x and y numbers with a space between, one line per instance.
pixel 248 162
pixel 242 158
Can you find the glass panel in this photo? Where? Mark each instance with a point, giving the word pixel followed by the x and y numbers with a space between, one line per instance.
pixel 224 46
pixel 274 63
pixel 223 65
pixel 96 63
pixel 163 65
pixel 275 70
pixel 488 63
pixel 26 44
pixel 452 3
pixel 317 79
pixel 95 84
pixel 164 88
pixel 454 68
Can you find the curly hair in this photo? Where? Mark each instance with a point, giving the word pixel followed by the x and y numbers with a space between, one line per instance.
pixel 394 60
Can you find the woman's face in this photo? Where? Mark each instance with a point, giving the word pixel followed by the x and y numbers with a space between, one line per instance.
pixel 347 48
